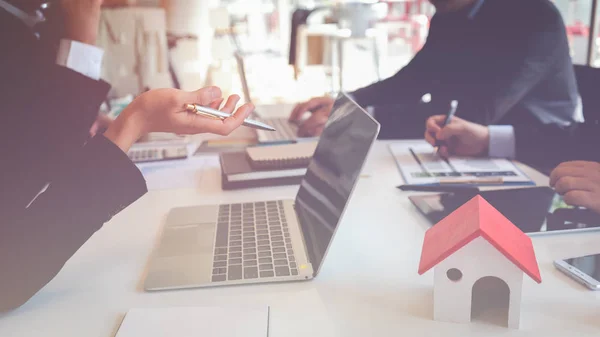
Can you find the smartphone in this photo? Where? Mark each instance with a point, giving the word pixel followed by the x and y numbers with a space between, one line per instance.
pixel 583 269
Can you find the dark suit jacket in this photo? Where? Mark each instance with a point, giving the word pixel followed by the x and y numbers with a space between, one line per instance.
pixel 507 64
pixel 47 111
pixel 546 146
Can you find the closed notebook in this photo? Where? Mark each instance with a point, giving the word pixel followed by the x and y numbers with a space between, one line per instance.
pixel 237 173
pixel 281 156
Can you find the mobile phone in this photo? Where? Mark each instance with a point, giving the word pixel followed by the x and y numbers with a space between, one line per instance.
pixel 583 269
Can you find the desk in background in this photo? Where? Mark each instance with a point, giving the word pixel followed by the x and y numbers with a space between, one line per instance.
pixel 368 286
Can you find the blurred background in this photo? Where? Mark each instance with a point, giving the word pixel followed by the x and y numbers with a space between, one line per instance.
pixel 281 51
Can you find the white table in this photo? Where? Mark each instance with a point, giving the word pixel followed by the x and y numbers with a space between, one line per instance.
pixel 368 286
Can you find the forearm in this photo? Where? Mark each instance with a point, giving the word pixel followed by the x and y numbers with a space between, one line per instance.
pixel 35 243
pixel 124 132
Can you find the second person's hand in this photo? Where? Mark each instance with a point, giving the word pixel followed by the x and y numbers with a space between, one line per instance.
pixel 459 137
pixel 163 110
pixel 579 183
pixel 320 108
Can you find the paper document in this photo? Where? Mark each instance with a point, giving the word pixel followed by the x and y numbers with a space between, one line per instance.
pixel 196 321
pixel 174 174
pixel 420 165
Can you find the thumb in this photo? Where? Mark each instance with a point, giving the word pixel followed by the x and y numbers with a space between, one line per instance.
pixel 204 96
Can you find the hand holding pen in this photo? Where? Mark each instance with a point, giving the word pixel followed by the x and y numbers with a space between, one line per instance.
pixel 457 137
pixel 163 110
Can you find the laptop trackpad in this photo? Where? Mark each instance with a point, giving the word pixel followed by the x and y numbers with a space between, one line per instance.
pixel 188 240
pixel 184 257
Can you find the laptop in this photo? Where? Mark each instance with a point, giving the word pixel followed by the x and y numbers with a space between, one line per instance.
pixel 286 131
pixel 275 240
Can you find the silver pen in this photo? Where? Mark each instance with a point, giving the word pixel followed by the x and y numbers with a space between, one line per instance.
pixel 212 113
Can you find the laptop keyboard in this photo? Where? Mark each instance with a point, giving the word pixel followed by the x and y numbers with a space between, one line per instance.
pixel 253 242
pixel 285 130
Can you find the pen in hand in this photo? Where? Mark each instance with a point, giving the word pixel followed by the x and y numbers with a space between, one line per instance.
pixel 213 113
pixel 451 113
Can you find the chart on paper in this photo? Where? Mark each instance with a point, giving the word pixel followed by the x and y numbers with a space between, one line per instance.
pixel 420 165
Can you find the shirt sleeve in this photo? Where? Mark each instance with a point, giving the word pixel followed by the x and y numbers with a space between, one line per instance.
pixel 80 57
pixel 502 141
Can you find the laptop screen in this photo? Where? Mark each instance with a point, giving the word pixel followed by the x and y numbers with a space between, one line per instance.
pixel 332 174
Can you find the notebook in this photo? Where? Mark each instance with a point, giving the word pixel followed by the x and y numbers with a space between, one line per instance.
pixel 196 321
pixel 420 165
pixel 238 173
pixel 281 156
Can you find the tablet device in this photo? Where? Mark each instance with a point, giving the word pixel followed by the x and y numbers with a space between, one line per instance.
pixel 536 210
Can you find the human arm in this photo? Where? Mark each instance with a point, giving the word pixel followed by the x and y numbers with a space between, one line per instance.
pixel 38 234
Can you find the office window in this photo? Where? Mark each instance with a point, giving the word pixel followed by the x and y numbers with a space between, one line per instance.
pixel 577 15
pixel 596 45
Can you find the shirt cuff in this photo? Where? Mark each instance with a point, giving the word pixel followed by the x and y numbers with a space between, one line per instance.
pixel 80 57
pixel 502 141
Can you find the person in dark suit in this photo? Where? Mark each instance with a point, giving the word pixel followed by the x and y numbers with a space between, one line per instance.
pixel 505 61
pixel 58 186
pixel 542 146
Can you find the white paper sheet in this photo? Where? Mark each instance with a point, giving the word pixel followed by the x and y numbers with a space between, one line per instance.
pixel 173 174
pixel 433 169
pixel 196 321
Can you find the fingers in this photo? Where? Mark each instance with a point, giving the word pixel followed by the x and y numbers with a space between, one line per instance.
pixel 217 104
pixel 312 125
pixel 432 127
pixel 311 105
pixel 435 123
pixel 231 103
pixel 204 96
pixel 299 109
pixel 580 199
pixel 236 119
pixel 579 183
pixel 567 184
pixel 430 138
pixel 573 169
pixel 226 126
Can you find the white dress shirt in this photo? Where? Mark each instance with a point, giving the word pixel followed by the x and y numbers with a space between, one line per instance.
pixel 80 57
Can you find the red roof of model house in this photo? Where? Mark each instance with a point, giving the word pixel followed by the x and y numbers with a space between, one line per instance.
pixel 474 219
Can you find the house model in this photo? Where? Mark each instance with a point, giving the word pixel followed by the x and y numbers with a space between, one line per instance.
pixel 472 245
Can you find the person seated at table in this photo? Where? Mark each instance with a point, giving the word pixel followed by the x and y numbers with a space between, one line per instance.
pixel 52 202
pixel 505 61
pixel 572 152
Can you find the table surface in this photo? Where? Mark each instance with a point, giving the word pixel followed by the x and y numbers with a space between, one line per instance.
pixel 368 286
